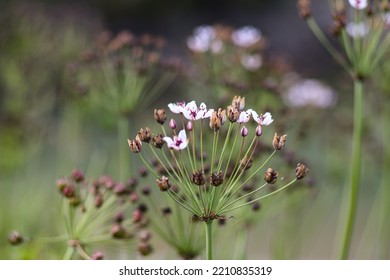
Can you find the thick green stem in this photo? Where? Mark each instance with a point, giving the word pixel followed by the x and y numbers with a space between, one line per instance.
pixel 209 239
pixel 354 178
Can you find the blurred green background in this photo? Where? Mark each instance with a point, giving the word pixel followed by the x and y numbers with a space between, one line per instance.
pixel 50 124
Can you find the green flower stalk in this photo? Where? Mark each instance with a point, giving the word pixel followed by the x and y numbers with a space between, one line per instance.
pixel 365 40
pixel 204 173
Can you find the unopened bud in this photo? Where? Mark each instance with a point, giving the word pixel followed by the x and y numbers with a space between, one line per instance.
pixel 172 124
pixel 137 216
pixel 97 256
pixel 244 131
pixel 259 130
pixel 301 170
pixel 78 175
pixel 69 191
pixel 190 126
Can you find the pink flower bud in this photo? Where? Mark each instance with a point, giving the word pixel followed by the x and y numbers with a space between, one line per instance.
pixel 190 126
pixel 244 131
pixel 259 130
pixel 172 124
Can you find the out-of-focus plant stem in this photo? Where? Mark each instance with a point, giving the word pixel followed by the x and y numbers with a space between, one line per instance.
pixel 123 159
pixel 354 179
pixel 384 190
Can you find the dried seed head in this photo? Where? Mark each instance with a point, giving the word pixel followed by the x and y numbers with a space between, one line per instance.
pixel 339 22
pixel 118 231
pixel 144 235
pixel 160 116
pixel 145 190
pixel 137 216
pixel 238 103
pixel 246 163
pixel 198 178
pixel 144 134
pixel 256 206
pixel 163 183
pixel 216 179
pixel 134 197
pixel 301 170
pixel 217 119
pixel 15 238
pixel 279 141
pixel 145 248
pixel 135 145
pixel 270 176
pixel 166 211
pixel 143 171
pixel 232 113
pixel 119 217
pixel 99 201
pixel 158 141
pixel 143 208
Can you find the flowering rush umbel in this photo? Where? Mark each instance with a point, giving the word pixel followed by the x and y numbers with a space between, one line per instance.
pixel 208 155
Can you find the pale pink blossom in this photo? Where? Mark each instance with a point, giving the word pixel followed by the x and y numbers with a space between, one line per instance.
pixel 265 119
pixel 245 116
pixel 358 4
pixel 179 142
pixel 246 36
pixel 192 112
pixel 177 108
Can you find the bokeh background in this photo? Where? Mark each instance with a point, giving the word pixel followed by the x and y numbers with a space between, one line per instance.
pixel 49 126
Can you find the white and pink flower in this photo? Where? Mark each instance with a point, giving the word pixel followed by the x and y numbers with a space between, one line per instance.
pixel 177 107
pixel 179 142
pixel 265 119
pixel 246 36
pixel 192 112
pixel 358 4
pixel 245 116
